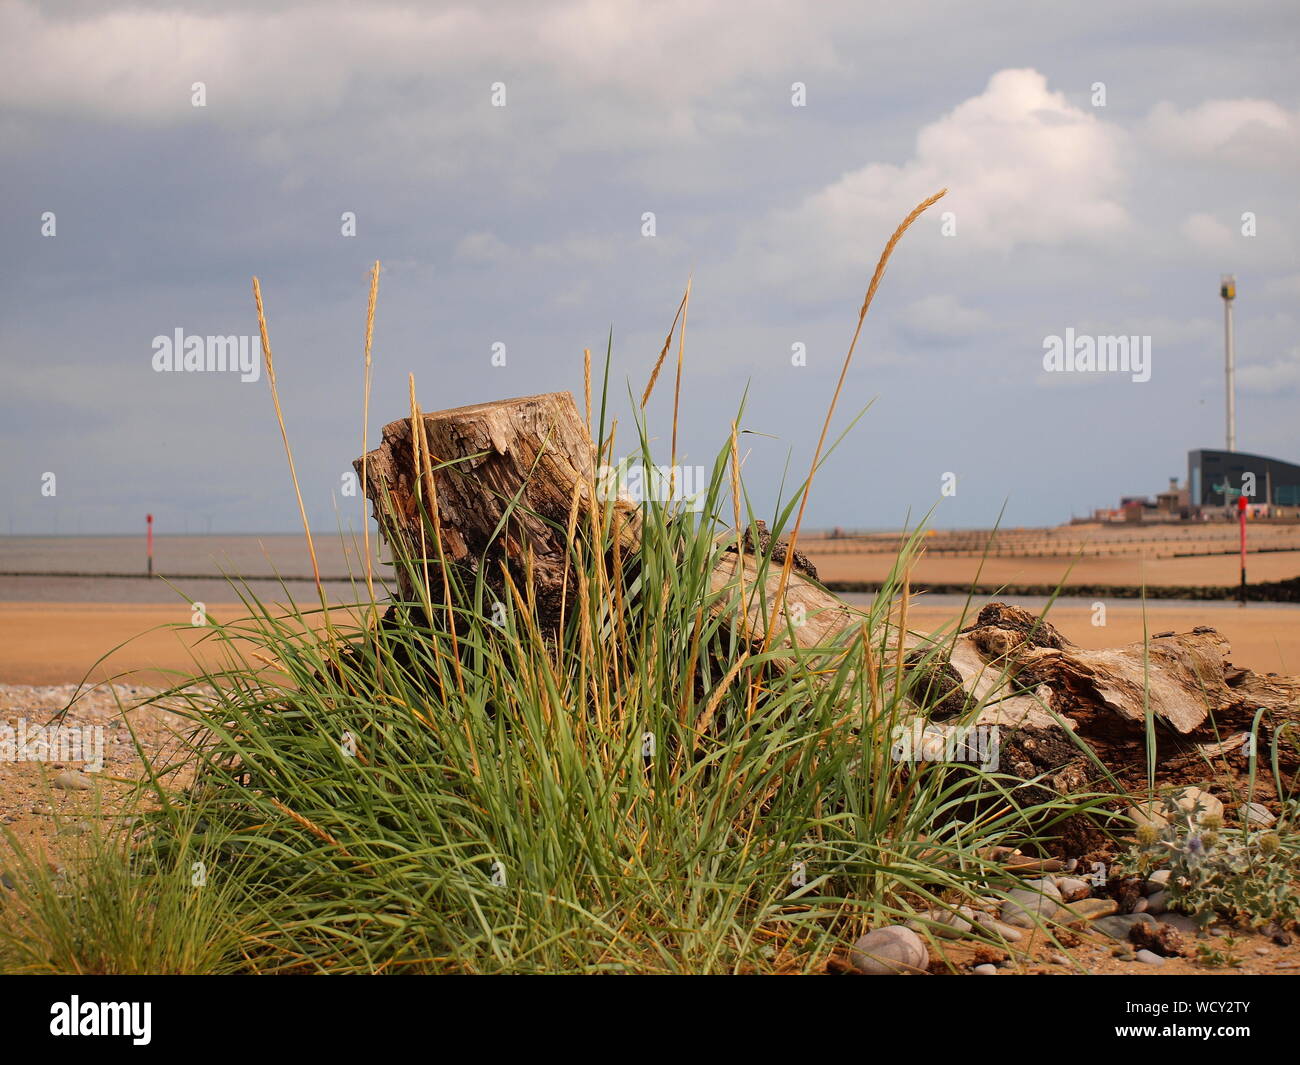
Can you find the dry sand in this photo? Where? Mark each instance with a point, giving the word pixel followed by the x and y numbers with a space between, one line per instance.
pixel 1220 570
pixel 60 643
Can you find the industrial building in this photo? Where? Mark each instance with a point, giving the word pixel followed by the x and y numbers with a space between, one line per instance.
pixel 1216 478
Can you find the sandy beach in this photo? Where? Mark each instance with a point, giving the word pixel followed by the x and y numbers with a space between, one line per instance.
pixel 1064 570
pixel 1174 555
pixel 154 643
pixel 58 630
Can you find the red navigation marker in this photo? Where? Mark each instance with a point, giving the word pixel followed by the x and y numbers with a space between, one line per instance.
pixel 1241 514
pixel 148 519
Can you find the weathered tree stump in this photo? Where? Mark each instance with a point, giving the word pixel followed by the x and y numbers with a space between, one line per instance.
pixel 496 483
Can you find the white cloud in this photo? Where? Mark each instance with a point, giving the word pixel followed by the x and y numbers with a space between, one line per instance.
pixel 1247 133
pixel 1023 167
pixel 307 62
pixel 139 64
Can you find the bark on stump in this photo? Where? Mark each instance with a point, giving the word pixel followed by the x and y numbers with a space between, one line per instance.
pixel 516 468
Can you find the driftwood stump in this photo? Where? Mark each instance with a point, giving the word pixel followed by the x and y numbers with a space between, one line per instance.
pixel 498 488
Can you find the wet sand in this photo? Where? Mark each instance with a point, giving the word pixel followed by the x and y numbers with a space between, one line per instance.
pixel 63 643
pixel 53 630
pixel 59 643
pixel 1221 570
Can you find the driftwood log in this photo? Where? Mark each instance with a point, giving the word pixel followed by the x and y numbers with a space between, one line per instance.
pixel 503 481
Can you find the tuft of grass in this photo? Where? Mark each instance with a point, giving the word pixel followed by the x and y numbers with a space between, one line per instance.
pixel 645 790
pixel 113 910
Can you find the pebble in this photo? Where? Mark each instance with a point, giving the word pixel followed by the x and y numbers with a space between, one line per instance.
pixel 1180 922
pixel 1046 886
pixel 986 970
pixel 1141 906
pixel 1148 813
pixel 889 951
pixel 1155 881
pixel 1011 935
pixel 1257 814
pixel 1157 903
pixel 72 780
pixel 1091 909
pixel 944 923
pixel 1262 951
pixel 1073 889
pixel 1189 798
pixel 1150 957
pixel 1117 927
pixel 1025 909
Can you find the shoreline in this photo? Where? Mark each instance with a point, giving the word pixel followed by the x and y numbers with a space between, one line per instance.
pixel 1287 591
pixel 44 643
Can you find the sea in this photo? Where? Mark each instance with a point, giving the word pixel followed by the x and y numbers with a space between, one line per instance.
pixel 274 567
pixel 210 569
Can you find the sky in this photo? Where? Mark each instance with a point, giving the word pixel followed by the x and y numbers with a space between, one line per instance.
pixel 537 178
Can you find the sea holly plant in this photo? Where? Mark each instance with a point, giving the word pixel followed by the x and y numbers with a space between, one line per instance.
pixel 1241 874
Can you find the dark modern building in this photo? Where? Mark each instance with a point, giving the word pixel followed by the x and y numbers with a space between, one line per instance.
pixel 1215 479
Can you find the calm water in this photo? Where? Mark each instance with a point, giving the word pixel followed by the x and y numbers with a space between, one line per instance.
pixel 257 558
pixel 182 557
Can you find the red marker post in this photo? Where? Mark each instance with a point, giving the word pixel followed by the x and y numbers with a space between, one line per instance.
pixel 1241 514
pixel 148 520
